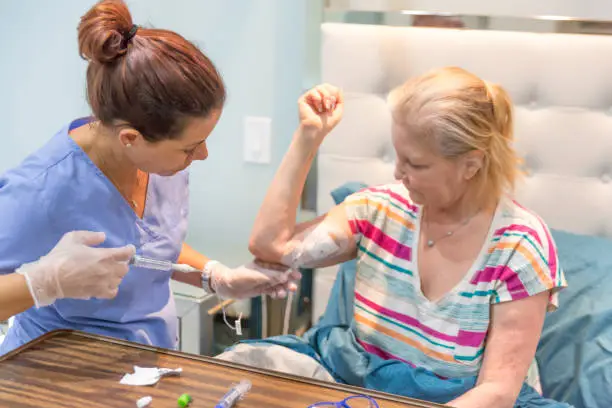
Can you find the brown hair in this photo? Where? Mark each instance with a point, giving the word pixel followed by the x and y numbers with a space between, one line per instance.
pixel 461 112
pixel 154 81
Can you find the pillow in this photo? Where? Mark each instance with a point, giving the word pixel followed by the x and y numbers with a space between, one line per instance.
pixel 575 351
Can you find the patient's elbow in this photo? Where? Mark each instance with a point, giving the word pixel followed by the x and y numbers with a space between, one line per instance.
pixel 256 247
pixel 265 250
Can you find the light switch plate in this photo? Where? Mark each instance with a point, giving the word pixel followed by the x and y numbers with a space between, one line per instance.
pixel 257 139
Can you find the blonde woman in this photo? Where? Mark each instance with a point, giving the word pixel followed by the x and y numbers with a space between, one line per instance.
pixel 453 277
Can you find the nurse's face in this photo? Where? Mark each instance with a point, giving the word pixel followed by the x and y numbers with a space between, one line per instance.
pixel 168 157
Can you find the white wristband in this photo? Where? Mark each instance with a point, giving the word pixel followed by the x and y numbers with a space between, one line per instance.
pixel 207 277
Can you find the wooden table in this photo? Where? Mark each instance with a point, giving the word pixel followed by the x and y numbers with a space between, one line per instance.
pixel 74 369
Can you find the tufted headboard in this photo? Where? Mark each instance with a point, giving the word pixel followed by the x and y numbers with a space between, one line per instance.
pixel 561 85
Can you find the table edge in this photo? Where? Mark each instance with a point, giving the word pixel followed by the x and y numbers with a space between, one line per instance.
pixel 196 357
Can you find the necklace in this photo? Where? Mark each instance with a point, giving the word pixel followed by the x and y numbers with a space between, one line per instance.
pixel 432 242
pixel 131 202
pixel 123 193
pixel 94 127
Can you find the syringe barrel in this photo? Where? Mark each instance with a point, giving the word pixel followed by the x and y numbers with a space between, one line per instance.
pixel 142 262
pixel 237 392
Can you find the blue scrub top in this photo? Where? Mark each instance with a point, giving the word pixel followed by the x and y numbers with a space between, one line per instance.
pixel 58 189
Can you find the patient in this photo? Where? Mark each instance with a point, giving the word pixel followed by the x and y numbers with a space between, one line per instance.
pixel 453 277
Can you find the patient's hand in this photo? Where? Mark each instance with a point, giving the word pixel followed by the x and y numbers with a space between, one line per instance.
pixel 320 110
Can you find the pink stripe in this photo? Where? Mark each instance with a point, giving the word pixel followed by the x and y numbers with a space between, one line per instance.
pixel 520 228
pixel 372 349
pixel 396 196
pixel 381 239
pixel 404 319
pixel 504 274
pixel 470 338
pixel 552 251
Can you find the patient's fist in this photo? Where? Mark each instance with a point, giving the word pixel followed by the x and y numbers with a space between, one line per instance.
pixel 320 110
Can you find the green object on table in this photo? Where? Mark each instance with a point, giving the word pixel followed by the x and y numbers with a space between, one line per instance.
pixel 184 400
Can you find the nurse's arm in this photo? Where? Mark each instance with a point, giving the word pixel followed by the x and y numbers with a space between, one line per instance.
pixel 191 257
pixel 14 295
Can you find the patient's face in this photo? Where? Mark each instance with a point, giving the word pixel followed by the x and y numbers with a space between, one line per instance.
pixel 430 178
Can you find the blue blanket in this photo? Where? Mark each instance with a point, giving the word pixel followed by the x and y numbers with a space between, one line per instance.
pixel 332 343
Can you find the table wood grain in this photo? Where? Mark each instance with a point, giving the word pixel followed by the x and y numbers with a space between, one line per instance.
pixel 74 369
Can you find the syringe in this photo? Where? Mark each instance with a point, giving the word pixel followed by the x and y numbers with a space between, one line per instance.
pixel 236 393
pixel 159 265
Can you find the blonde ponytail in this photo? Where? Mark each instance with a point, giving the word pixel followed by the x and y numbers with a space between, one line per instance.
pixel 502 169
pixel 502 110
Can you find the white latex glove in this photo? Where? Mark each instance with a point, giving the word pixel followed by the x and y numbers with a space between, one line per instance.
pixel 251 280
pixel 75 270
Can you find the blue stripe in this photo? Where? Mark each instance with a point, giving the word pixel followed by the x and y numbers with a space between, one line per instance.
pixel 483 293
pixel 382 261
pixel 470 358
pixel 528 238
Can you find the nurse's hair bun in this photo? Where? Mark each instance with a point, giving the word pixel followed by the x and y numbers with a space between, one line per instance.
pixel 152 80
pixel 106 31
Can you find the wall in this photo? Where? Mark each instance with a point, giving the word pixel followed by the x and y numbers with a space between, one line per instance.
pixel 261 48
pixel 41 74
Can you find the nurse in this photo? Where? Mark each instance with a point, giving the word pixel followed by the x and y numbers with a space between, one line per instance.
pixel 155 99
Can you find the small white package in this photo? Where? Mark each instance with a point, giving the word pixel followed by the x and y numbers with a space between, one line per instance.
pixel 148 375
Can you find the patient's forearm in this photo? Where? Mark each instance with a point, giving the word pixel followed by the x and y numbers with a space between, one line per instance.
pixel 275 222
pixel 14 295
pixel 327 243
pixel 485 395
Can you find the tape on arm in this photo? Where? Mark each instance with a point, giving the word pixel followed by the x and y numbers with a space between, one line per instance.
pixel 319 244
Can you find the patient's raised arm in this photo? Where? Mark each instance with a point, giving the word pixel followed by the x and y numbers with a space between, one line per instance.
pixel 326 240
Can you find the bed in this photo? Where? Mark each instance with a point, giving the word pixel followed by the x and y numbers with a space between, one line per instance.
pixel 561 85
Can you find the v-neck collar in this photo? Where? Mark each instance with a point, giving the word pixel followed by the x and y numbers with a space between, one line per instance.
pixel 149 197
pixel 475 266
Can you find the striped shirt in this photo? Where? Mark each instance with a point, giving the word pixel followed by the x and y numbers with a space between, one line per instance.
pixel 394 320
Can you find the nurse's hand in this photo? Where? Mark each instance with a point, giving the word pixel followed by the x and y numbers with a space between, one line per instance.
pixel 251 280
pixel 73 269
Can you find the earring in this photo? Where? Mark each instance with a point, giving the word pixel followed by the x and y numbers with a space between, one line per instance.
pixel 128 145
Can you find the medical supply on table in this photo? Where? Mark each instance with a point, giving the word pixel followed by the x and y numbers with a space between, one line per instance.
pixel 160 265
pixel 287 315
pixel 184 400
pixel 144 402
pixel 237 392
pixel 148 375
pixel 355 400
